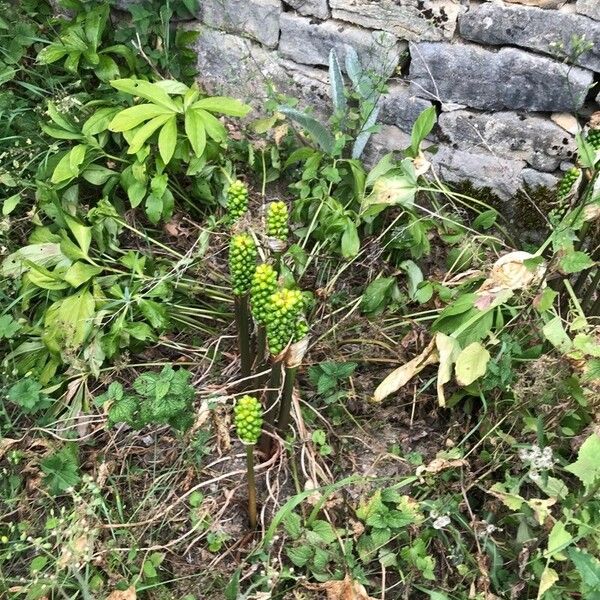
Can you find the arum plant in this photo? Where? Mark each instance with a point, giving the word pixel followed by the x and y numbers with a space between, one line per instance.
pixel 284 311
pixel 264 285
pixel 276 229
pixel 242 265
pixel 248 424
pixel 237 201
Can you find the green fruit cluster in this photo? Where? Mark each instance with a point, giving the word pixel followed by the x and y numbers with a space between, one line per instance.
pixel 242 262
pixel 264 285
pixel 302 329
pixel 248 419
pixel 593 137
pixel 277 221
pixel 566 184
pixel 237 201
pixel 284 311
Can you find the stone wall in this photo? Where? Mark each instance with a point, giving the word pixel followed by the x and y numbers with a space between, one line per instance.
pixel 506 77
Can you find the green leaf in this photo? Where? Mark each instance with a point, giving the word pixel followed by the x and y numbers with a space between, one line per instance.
pixel 132 117
pixel 80 272
pixel 575 262
pixel 69 321
pixel 588 567
pixel 155 313
pixel 82 234
pixel 38 563
pixel 547 580
pixel 61 469
pixel 195 131
pixel 422 128
pixel 9 204
pixel 214 128
pixel 486 219
pixel 415 276
pixel 300 555
pixel 555 333
pixel 320 134
pixel 384 166
pixel 366 132
pixel 148 91
pixel 336 81
pixel 325 531
pixel 471 364
pixel 167 140
pixel 558 539
pixel 107 68
pixel 377 293
pixel 350 240
pixel 8 327
pixel 586 153
pixel 223 105
pixel 99 121
pixel 123 410
pixel 145 131
pixel 51 54
pixel 68 166
pixel 293 525
pixel 587 466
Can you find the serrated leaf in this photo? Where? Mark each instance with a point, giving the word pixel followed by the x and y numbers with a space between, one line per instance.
pixel 575 262
pixel 547 580
pixel 587 466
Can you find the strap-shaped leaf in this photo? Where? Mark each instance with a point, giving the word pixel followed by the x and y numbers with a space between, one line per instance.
pixel 336 81
pixel 131 117
pixel 148 91
pixel 167 139
pixel 365 133
pixel 144 132
pixel 223 105
pixel 320 134
pixel 214 128
pixel 196 132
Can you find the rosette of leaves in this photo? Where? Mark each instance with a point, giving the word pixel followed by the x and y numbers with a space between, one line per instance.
pixel 248 419
pixel 242 262
pixel 164 398
pixel 277 221
pixel 237 201
pixel 283 316
pixel 264 285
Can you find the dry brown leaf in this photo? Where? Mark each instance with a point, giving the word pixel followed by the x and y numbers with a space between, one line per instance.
pixel 347 589
pixel 128 594
pixel 440 464
pixel 402 375
pixel 5 444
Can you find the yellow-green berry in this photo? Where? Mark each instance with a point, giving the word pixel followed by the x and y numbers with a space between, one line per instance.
pixel 264 285
pixel 242 262
pixel 237 201
pixel 570 178
pixel 277 221
pixel 302 329
pixel 283 312
pixel 248 419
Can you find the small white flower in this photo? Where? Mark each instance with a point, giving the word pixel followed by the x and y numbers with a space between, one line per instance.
pixel 441 522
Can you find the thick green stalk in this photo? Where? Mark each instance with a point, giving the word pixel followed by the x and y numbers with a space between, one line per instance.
pixel 286 400
pixel 272 407
pixel 242 318
pixel 252 515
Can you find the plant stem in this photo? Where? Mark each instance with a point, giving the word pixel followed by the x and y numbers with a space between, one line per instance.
pixel 261 344
pixel 242 319
pixel 251 486
pixel 271 406
pixel 286 400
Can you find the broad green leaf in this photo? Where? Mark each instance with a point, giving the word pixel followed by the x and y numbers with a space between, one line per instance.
pixel 223 105
pixel 350 240
pixel 167 140
pixel 107 68
pixel 195 131
pixel 391 190
pixel 45 255
pixel 471 364
pixel 214 128
pixel 97 174
pixel 320 134
pixel 132 117
pixel 376 293
pixel 365 133
pixel 384 166
pixel 588 567
pixel 148 91
pixel 448 349
pixel 42 278
pixel 422 128
pixel 82 234
pixel 414 274
pixel 99 121
pixel 173 87
pixel 336 81
pixel 9 204
pixel 68 166
pixel 587 466
pixel 68 322
pixel 558 540
pixel 79 273
pixel 555 333
pixel 144 132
